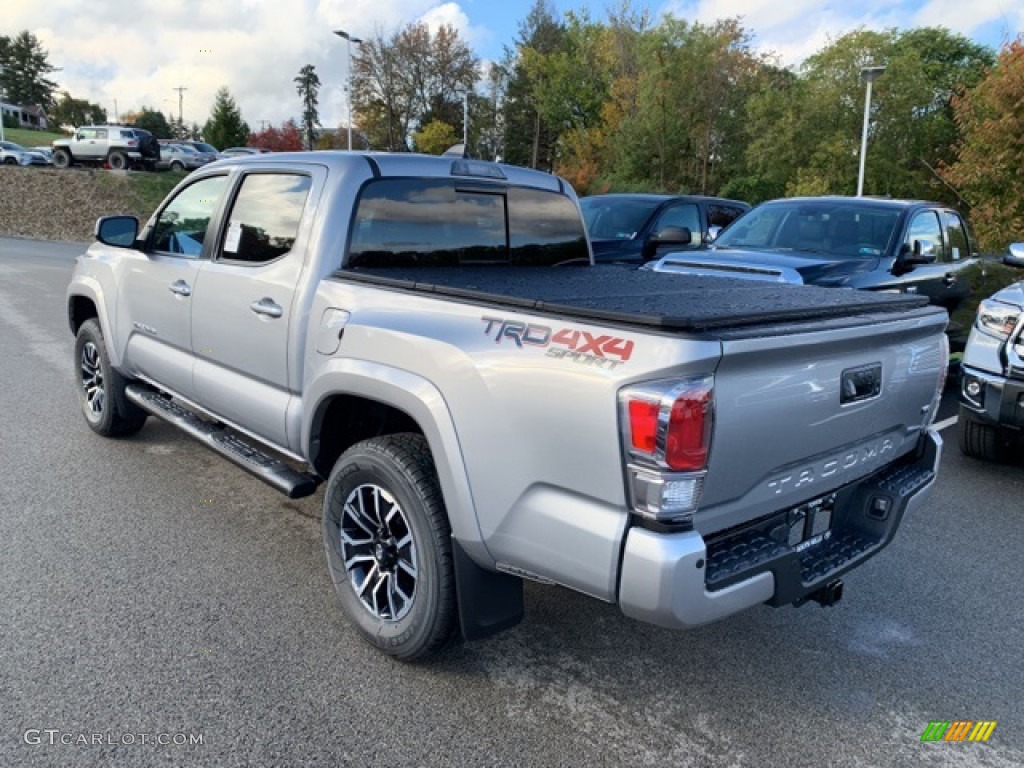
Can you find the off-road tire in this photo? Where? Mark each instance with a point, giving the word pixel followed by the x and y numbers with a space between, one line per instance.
pixel 401 468
pixel 982 441
pixel 61 158
pixel 118 161
pixel 114 415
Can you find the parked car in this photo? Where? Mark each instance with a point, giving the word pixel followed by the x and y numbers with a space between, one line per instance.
pixel 1014 256
pixel 46 152
pixel 406 330
pixel 207 151
pixel 117 146
pixel 178 157
pixel 904 246
pixel 15 154
pixel 638 227
pixel 240 151
pixel 991 418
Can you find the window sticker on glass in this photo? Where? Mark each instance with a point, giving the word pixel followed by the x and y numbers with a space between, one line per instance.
pixel 956 253
pixel 233 238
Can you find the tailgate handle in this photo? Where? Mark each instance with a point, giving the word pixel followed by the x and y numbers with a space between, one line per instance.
pixel 861 383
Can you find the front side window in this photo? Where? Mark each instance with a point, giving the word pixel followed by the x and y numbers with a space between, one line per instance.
pixel 616 218
pixel 681 216
pixel 264 220
pixel 925 228
pixel 181 227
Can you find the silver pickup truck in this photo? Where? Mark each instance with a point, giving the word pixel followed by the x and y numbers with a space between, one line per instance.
pixel 429 337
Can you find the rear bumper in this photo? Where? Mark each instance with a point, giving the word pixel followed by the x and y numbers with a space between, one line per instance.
pixel 681 580
pixel 1000 401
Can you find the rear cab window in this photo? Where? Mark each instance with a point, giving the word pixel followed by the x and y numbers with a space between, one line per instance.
pixel 448 222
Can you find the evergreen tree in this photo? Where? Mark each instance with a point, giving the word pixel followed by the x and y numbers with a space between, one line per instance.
pixel 71 113
pixel 528 140
pixel 308 86
pixel 225 128
pixel 25 66
pixel 153 120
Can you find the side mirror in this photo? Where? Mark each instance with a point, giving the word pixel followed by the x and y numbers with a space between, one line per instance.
pixel 1014 256
pixel 922 252
pixel 667 236
pixel 117 231
pixel 713 233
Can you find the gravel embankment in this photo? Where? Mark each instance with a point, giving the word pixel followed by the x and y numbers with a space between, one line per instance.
pixel 56 204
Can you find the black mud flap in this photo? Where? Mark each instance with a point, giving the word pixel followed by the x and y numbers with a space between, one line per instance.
pixel 489 602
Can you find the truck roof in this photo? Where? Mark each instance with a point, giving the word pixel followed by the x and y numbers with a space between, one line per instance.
pixel 386 164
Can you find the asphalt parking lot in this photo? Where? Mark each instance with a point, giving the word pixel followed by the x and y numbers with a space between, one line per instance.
pixel 150 589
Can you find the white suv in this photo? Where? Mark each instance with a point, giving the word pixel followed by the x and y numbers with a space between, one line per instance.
pixel 117 146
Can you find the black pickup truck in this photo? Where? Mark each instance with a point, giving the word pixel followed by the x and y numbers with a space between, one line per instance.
pixel 905 246
pixel 639 227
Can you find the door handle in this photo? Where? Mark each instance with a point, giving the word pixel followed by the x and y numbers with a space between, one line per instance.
pixel 950 278
pixel 267 307
pixel 180 287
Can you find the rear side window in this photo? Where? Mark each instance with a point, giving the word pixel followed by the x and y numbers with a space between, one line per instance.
pixel 723 215
pixel 956 235
pixel 440 222
pixel 265 217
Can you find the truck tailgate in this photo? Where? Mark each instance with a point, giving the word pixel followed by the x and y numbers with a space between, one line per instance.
pixel 799 413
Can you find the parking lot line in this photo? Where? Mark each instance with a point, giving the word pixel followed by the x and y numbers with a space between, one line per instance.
pixel 941 425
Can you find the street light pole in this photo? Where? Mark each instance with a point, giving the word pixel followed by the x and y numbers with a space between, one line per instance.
pixel 349 40
pixel 869 75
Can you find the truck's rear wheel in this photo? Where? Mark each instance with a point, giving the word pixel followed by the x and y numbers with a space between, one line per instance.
pixel 117 161
pixel 981 440
pixel 101 388
pixel 61 158
pixel 388 545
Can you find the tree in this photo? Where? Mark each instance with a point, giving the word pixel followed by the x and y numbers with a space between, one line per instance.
pixel 308 85
pixel 153 120
pixel 24 69
pixel 69 112
pixel 990 154
pixel 287 138
pixel 225 128
pixel 410 79
pixel 434 138
pixel 528 140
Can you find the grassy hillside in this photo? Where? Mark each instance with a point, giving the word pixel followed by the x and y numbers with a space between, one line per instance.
pixel 31 138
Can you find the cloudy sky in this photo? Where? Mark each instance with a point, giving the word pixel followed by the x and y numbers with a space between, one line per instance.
pixel 138 51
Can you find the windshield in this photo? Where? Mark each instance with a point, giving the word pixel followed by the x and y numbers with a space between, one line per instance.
pixel 834 227
pixel 12 147
pixel 612 218
pixel 205 148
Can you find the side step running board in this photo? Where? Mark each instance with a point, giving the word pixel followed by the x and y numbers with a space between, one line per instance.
pixel 274 472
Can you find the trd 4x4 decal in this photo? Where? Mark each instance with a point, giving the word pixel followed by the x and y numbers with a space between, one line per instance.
pixel 599 350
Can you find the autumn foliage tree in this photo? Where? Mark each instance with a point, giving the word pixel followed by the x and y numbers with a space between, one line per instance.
pixel 287 138
pixel 990 155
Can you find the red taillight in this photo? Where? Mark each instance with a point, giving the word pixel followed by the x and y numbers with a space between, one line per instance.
pixel 643 425
pixel 689 431
pixel 687 407
pixel 131 142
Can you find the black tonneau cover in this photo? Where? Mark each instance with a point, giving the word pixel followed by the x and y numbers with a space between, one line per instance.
pixel 625 294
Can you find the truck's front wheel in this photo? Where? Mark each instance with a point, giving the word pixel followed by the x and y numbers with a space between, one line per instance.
pixel 101 388
pixel 388 545
pixel 981 440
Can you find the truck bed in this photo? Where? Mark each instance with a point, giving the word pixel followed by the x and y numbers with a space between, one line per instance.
pixel 624 294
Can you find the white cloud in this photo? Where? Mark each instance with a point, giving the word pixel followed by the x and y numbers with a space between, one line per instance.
pixel 794 29
pixel 138 51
